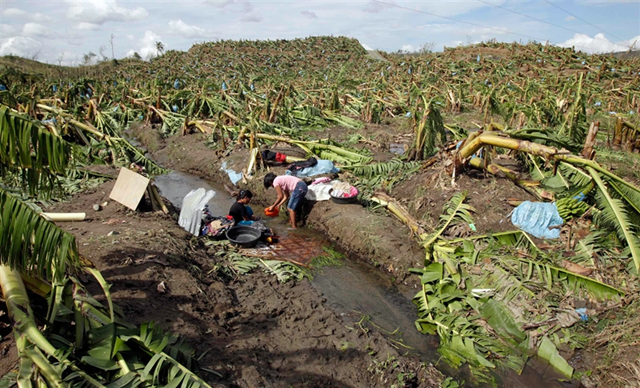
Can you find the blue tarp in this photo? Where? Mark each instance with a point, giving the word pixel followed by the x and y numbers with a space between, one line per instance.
pixel 536 217
pixel 233 176
pixel 323 167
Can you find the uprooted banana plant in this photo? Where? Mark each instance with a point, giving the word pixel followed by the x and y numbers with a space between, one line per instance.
pixel 83 343
pixel 493 299
pixel 616 199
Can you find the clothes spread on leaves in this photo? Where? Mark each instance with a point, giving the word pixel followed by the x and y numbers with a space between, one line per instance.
pixel 297 166
pixel 214 226
pixel 320 167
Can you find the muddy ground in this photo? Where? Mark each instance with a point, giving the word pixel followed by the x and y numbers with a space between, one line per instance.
pixel 374 236
pixel 384 241
pixel 256 332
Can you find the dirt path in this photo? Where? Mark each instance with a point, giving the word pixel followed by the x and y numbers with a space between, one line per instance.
pixel 255 330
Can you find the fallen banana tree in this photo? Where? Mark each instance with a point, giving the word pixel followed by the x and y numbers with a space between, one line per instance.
pixel 83 343
pixel 617 199
pixel 479 294
pixel 322 148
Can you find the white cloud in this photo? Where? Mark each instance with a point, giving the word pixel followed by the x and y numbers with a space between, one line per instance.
pixel 376 7
pixel 178 27
pixel 20 45
pixel 570 18
pixel 148 42
pixel 84 26
pixel 16 13
pixel 407 48
pixel 7 30
pixel 219 3
pixel 101 11
pixel 598 44
pixel 245 5
pixel 366 46
pixel 251 18
pixel 309 14
pixel 599 3
pixel 487 31
pixel 35 30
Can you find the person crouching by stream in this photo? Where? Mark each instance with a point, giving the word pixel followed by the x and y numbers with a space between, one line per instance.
pixel 241 213
pixel 287 187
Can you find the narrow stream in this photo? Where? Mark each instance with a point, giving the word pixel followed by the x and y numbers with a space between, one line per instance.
pixel 360 291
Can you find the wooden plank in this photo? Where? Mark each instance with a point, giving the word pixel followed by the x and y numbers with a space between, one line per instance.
pixel 129 188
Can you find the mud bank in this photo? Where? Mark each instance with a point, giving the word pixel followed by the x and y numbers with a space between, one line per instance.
pixel 373 236
pixel 254 330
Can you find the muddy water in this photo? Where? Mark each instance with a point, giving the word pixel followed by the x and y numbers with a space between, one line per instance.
pixel 175 185
pixel 360 291
pixel 357 289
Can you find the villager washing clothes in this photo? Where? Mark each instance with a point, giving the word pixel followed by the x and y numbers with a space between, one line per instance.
pixel 241 213
pixel 288 188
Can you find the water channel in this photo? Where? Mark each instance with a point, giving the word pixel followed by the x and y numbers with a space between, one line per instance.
pixel 358 290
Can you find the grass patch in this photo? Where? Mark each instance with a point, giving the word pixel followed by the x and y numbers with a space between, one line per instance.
pixel 331 258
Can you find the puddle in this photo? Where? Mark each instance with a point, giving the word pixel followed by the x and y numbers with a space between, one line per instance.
pixel 396 148
pixel 175 185
pixel 356 289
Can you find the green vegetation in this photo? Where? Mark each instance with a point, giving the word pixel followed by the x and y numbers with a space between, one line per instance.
pixel 494 300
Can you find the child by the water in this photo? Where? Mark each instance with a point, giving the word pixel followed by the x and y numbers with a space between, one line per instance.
pixel 241 213
pixel 288 188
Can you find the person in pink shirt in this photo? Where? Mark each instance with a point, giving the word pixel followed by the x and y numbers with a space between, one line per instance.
pixel 287 187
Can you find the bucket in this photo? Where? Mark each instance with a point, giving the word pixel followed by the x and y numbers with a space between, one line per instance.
pixel 272 213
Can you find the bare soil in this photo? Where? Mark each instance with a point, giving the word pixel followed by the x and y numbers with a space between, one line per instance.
pixel 375 236
pixel 255 331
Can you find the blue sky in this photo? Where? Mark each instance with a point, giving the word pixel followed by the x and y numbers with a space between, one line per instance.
pixel 61 31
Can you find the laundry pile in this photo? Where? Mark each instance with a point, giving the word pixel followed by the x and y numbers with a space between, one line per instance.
pixel 344 190
pixel 214 226
pixel 323 188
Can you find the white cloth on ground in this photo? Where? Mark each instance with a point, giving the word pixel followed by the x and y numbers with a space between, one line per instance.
pixel 320 191
pixel 191 211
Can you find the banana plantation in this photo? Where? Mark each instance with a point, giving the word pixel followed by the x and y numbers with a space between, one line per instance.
pixel 483 130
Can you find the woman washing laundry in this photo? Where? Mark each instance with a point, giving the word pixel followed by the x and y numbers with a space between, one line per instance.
pixel 241 213
pixel 288 188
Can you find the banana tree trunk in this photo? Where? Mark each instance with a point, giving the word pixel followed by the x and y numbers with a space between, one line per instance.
pixel 588 151
pixel 15 296
pixel 399 211
pixel 617 133
pixel 501 171
pixel 473 144
pixel 29 340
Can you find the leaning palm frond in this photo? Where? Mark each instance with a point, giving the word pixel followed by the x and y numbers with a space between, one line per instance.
pixel 428 126
pixel 30 244
pixel 134 154
pixel 552 276
pixel 630 196
pixel 454 211
pixel 382 168
pixel 28 149
pixel 598 243
pixel 283 270
pixel 615 216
